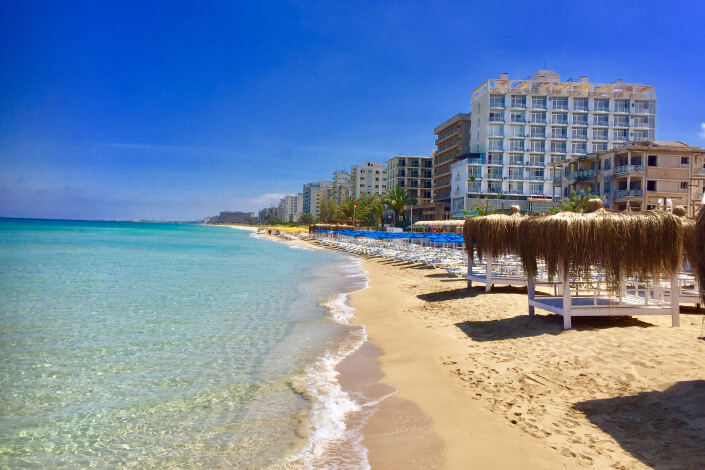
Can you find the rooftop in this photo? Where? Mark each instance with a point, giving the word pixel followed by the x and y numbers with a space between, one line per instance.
pixel 548 82
pixel 458 117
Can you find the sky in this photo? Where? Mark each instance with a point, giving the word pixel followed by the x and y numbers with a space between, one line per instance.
pixel 179 110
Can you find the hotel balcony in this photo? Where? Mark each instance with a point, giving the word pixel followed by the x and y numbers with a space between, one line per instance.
pixel 582 175
pixel 536 163
pixel 622 193
pixel 629 169
pixel 641 109
pixel 699 173
pixel 557 178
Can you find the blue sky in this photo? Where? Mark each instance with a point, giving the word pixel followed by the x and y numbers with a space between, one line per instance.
pixel 178 110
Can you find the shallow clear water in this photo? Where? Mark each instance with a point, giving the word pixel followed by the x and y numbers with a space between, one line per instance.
pixel 159 345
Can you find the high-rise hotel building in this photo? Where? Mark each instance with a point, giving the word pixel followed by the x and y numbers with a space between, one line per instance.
pixel 520 127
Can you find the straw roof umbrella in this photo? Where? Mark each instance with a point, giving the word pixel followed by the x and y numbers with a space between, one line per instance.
pixel 492 234
pixel 647 244
pixel 696 253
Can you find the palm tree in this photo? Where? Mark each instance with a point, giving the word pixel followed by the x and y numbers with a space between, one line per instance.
pixel 347 209
pixel 397 198
pixel 376 208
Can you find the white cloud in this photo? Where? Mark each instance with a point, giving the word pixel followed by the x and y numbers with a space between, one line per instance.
pixel 702 130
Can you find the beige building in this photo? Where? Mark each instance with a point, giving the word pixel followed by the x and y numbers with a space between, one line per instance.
pixel 291 208
pixel 413 173
pixel 639 175
pixel 312 195
pixel 452 144
pixel 368 178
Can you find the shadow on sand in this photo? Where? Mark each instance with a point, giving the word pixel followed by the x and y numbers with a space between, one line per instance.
pixel 665 430
pixel 525 326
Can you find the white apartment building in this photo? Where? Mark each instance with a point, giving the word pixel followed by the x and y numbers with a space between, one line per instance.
pixel 341 186
pixel 520 127
pixel 291 207
pixel 368 178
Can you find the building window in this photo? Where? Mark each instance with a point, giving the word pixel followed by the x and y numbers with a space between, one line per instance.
pixel 684 185
pixel 495 130
pixel 599 134
pixel 560 103
pixel 518 101
pixel 651 185
pixel 496 116
pixel 685 161
pixel 516 131
pixel 538 102
pixel 580 104
pixel 653 160
pixel 601 105
pixel 608 163
pixel 517 116
pixel 496 101
pixel 621 106
pixel 538 118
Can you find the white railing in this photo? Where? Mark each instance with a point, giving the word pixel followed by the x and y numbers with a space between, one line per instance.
pixel 629 169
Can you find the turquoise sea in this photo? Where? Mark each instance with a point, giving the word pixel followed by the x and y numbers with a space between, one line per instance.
pixel 172 346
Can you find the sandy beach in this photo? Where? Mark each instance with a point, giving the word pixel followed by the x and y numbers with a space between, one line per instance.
pixel 482 385
pixel 503 390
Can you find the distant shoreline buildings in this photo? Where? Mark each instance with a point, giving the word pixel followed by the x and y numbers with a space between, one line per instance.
pixel 530 143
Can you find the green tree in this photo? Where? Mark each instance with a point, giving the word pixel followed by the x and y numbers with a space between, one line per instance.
pixel 376 209
pixel 327 210
pixel 272 219
pixel 398 198
pixel 346 209
pixel 306 219
pixel 572 202
pixel 252 220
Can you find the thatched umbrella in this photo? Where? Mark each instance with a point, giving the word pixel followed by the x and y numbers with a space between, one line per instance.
pixel 648 244
pixel 696 250
pixel 492 235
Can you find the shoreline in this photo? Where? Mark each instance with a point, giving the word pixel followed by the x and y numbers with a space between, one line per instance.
pixel 248 228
